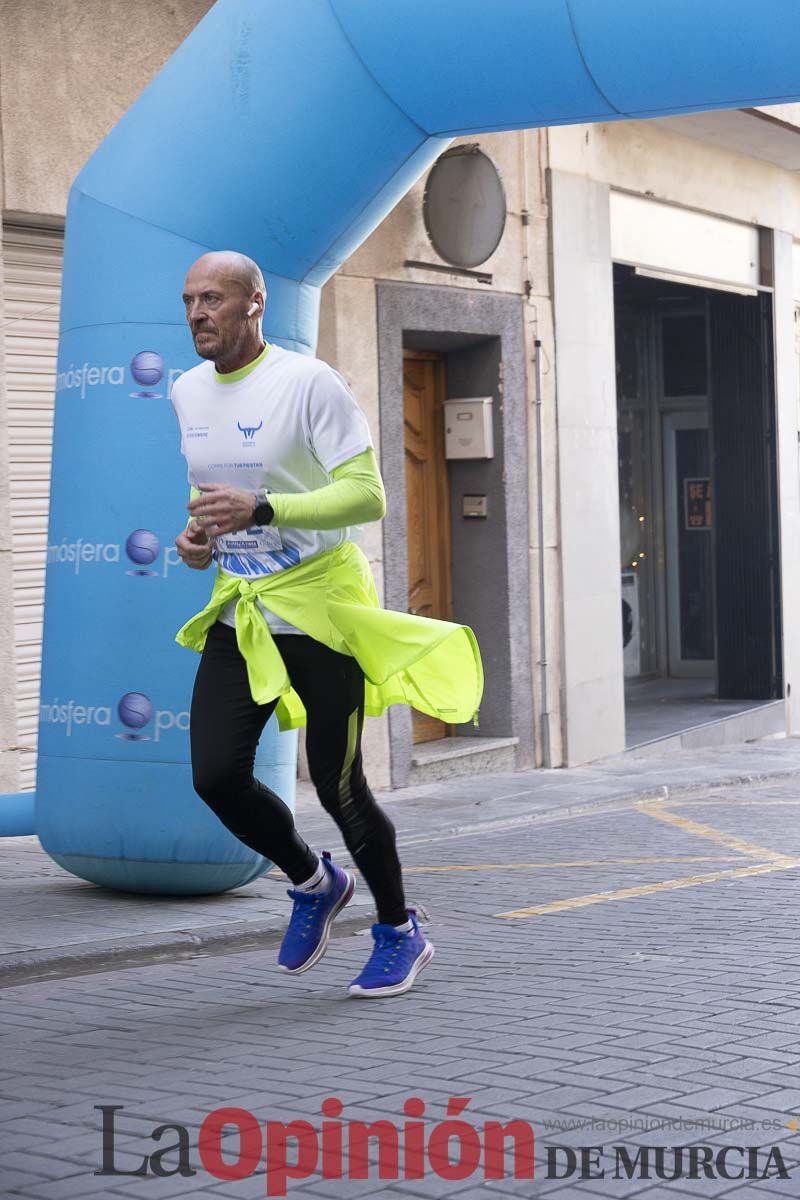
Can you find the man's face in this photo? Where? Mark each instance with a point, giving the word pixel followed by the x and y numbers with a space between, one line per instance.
pixel 216 307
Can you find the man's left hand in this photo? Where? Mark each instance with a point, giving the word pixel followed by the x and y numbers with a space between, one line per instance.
pixel 222 509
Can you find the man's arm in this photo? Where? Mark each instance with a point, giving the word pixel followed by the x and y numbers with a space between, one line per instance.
pixel 355 496
pixel 192 543
pixel 193 494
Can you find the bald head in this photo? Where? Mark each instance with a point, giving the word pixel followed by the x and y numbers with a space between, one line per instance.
pixel 224 296
pixel 232 266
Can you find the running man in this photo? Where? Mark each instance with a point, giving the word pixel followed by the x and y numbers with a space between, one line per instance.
pixel 282 466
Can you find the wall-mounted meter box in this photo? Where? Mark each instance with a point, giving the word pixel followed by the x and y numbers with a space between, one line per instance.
pixel 468 428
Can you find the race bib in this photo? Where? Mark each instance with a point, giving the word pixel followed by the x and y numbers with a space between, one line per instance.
pixel 259 539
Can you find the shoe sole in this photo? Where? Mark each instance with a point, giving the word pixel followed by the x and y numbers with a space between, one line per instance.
pixel 397 989
pixel 322 945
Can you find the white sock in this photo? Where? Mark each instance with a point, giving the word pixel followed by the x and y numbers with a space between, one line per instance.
pixel 406 927
pixel 320 881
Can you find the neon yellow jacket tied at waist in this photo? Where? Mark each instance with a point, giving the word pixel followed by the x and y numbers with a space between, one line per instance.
pixel 434 666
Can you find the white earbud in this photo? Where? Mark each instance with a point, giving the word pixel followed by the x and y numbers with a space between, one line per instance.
pixel 253 308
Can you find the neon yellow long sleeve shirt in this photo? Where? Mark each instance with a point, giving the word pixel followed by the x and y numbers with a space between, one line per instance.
pixel 355 496
pixel 434 666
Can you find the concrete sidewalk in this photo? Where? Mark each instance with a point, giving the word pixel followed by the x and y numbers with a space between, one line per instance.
pixel 54 924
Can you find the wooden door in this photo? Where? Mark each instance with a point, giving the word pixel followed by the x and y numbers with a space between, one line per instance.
pixel 428 504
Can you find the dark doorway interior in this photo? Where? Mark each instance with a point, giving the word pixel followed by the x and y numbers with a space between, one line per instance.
pixel 746 547
pixel 698 506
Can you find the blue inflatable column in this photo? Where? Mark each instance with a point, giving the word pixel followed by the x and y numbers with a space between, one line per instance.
pixel 115 801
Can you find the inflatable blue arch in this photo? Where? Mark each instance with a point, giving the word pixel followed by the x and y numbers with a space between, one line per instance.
pixel 286 129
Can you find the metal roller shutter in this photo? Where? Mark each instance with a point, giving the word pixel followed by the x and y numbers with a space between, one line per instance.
pixel 32 261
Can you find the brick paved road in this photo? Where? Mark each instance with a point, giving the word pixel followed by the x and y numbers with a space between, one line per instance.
pixel 655 981
pixel 49 918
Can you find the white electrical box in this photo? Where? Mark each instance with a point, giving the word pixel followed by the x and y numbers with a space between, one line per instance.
pixel 468 428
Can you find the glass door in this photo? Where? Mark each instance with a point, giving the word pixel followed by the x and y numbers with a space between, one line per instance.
pixel 688 525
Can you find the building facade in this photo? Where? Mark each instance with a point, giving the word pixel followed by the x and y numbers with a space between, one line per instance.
pixel 609 310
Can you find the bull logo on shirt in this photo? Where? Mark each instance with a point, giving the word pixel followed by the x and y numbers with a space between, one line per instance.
pixel 249 431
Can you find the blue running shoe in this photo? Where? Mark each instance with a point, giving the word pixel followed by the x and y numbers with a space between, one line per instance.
pixel 306 938
pixel 396 960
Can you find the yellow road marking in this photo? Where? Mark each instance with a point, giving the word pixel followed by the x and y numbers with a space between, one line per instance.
pixel 655 809
pixel 587 862
pixel 650 889
pixel 688 802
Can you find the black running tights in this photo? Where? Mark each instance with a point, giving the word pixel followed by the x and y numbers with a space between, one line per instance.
pixel 225 726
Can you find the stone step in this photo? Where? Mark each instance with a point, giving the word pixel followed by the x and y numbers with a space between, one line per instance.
pixel 754 723
pixel 458 757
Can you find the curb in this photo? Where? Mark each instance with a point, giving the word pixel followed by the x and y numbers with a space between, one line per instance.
pixel 58 962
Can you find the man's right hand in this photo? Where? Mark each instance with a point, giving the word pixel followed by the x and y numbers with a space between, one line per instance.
pixel 194 547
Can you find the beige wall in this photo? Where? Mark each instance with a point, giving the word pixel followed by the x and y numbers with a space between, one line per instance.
pixel 593 693
pixel 647 159
pixel 790 113
pixel 68 71
pixel 9 759
pixel 786 407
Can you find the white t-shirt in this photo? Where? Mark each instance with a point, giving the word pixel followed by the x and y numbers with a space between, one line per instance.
pixel 284 426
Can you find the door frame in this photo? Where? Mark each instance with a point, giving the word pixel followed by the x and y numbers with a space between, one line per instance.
pixel 655 406
pixel 448 318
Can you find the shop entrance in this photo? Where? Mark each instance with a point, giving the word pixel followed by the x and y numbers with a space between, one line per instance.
pixel 700 588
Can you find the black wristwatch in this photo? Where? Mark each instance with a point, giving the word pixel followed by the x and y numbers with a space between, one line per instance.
pixel 263 511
